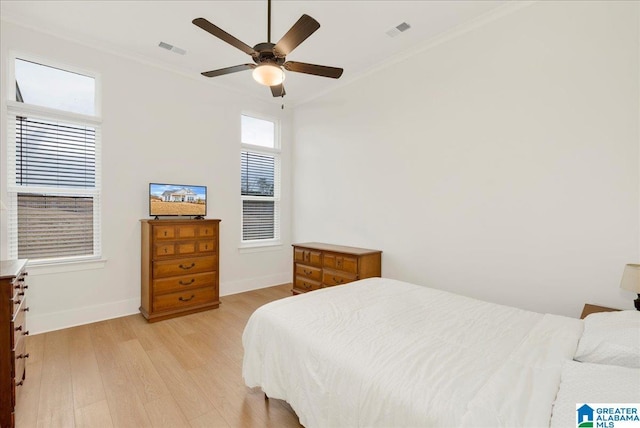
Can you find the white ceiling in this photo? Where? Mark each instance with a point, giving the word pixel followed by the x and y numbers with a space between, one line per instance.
pixel 352 33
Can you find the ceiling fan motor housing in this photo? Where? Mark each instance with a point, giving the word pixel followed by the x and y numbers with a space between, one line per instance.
pixel 265 53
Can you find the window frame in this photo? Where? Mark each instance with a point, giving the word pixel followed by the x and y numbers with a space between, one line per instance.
pixel 13 108
pixel 276 152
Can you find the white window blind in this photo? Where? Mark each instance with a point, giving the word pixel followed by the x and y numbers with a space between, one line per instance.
pixel 54 154
pixel 53 171
pixel 260 182
pixel 54 226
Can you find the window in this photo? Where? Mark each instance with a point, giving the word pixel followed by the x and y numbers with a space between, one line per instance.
pixel 53 165
pixel 260 181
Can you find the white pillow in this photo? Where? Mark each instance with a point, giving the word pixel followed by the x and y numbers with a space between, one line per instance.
pixel 611 338
pixel 592 383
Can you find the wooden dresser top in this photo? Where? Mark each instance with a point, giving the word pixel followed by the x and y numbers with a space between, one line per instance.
pixel 11 268
pixel 337 248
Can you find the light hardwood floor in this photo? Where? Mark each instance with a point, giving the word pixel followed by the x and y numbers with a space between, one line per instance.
pixel 125 372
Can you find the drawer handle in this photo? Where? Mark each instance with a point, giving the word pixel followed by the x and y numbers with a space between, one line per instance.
pixel 17 302
pixel 307 272
pixel 187 283
pixel 306 286
pixel 20 383
pixel 182 299
pixel 26 309
pixel 18 328
pixel 22 356
pixel 26 333
pixel 21 293
pixel 187 267
pixel 338 281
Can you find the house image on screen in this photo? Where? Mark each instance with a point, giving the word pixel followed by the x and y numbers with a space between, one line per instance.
pixel 181 195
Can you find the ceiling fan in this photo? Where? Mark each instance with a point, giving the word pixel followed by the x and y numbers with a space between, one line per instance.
pixel 269 58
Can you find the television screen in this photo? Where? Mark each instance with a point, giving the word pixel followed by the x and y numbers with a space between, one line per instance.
pixel 177 199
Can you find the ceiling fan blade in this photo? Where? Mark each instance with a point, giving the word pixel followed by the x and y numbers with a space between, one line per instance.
pixel 223 35
pixel 228 70
pixel 298 33
pixel 316 70
pixel 278 90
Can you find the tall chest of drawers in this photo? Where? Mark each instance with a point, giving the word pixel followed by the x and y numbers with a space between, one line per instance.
pixel 180 270
pixel 13 309
pixel 317 265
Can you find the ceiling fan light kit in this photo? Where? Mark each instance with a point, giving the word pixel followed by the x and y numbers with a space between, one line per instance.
pixel 270 59
pixel 268 74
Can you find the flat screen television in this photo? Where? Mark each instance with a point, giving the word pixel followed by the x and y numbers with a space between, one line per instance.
pixel 177 199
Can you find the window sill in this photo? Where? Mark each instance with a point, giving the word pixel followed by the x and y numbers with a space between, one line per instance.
pixel 43 268
pixel 256 248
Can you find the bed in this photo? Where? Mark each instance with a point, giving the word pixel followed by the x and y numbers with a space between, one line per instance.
pixel 386 353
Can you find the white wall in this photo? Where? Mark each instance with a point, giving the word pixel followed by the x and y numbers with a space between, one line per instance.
pixel 500 164
pixel 150 117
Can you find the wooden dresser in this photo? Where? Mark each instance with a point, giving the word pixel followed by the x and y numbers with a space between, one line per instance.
pixel 592 309
pixel 317 265
pixel 13 328
pixel 179 267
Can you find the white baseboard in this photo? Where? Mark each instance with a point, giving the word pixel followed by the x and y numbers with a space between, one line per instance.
pixel 85 315
pixel 88 314
pixel 235 287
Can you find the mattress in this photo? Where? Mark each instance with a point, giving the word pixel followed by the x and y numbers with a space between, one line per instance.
pixel 380 352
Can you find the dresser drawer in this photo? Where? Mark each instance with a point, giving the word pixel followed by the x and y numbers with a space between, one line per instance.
pixel 164 232
pixel 206 246
pixel 330 278
pixel 17 300
pixel 339 262
pixel 182 283
pixel 164 249
pixel 206 231
pixel 304 284
pixel 198 296
pixel 180 267
pixel 309 257
pixel 18 324
pixel 185 231
pixel 309 272
pixel 19 364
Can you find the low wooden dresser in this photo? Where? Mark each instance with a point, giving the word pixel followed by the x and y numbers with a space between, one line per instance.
pixel 13 329
pixel 180 267
pixel 592 309
pixel 317 265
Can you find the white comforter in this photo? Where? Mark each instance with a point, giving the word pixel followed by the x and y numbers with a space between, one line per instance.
pixel 385 353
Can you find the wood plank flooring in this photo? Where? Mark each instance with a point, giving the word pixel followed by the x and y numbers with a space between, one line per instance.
pixel 125 372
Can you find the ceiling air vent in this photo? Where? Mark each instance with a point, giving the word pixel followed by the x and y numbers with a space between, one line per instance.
pixel 172 48
pixel 401 28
